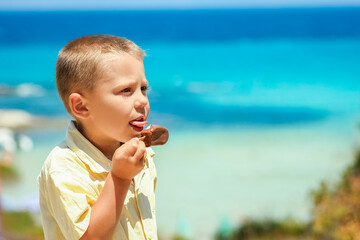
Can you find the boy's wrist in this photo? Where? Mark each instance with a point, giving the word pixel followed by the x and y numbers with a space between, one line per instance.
pixel 120 180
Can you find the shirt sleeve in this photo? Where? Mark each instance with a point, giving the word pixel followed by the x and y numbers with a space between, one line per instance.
pixel 68 200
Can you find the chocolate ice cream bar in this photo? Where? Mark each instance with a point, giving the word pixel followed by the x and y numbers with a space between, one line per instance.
pixel 154 135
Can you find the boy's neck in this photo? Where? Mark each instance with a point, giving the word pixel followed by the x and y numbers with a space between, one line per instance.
pixel 106 148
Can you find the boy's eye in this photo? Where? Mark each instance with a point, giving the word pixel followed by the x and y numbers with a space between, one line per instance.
pixel 126 90
pixel 144 88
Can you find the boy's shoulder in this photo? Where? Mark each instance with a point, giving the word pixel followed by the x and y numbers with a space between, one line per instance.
pixel 60 159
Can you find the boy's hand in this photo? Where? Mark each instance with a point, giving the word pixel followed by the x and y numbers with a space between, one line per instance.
pixel 128 159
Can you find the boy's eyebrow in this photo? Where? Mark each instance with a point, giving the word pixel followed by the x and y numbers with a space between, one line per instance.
pixel 130 82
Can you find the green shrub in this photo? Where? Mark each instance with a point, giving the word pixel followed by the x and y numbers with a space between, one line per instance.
pixel 337 212
pixel 20 225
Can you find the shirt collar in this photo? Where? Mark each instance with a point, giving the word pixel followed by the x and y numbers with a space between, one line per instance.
pixel 86 151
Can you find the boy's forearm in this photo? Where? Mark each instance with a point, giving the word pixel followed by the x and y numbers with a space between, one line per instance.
pixel 105 213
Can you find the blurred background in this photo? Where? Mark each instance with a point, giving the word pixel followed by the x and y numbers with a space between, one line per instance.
pixel 261 99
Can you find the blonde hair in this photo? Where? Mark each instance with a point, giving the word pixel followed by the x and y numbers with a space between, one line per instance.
pixel 81 62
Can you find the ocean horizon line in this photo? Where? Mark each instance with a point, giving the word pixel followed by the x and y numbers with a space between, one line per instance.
pixel 181 25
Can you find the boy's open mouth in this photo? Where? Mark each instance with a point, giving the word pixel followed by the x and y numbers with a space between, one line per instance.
pixel 138 123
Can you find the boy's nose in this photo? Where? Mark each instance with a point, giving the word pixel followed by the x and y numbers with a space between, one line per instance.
pixel 141 100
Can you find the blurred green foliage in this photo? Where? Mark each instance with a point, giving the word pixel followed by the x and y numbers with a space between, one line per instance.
pixel 179 237
pixel 337 210
pixel 20 225
pixel 266 229
pixel 8 173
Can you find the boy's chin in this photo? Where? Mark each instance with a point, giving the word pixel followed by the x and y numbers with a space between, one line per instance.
pixel 126 139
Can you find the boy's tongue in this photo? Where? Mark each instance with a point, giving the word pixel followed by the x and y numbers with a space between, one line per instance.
pixel 139 123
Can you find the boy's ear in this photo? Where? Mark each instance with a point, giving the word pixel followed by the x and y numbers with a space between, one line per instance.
pixel 78 106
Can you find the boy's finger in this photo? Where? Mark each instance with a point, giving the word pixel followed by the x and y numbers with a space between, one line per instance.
pixel 130 147
pixel 140 153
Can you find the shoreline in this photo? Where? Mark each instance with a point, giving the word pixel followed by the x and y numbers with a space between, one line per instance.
pixel 20 120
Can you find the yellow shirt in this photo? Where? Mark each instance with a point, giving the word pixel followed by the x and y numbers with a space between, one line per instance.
pixel 71 180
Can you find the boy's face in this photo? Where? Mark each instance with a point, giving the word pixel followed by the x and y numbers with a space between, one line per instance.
pixel 118 106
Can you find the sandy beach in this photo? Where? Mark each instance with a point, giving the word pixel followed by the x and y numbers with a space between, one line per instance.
pixel 234 173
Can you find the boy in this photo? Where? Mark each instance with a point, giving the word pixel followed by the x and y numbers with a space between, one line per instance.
pixel 99 183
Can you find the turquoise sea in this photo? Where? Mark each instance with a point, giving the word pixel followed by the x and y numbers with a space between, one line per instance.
pixel 260 110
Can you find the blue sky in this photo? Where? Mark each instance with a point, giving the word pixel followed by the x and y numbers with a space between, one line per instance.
pixel 164 4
